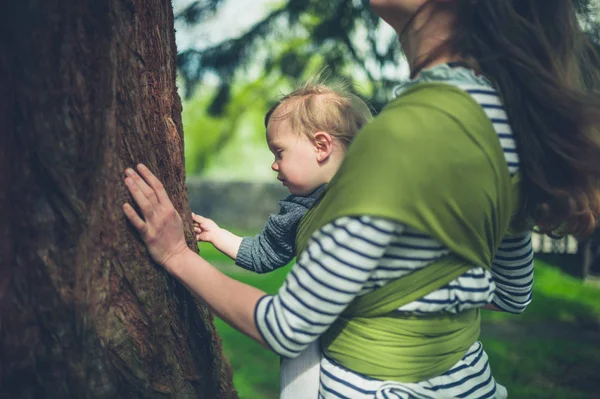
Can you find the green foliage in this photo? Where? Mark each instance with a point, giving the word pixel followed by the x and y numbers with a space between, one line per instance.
pixel 226 138
pixel 345 34
pixel 231 139
pixel 295 40
pixel 201 132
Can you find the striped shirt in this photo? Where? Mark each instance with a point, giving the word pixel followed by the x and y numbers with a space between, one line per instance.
pixel 355 255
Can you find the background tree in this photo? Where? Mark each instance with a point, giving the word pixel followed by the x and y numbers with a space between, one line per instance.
pixel 345 33
pixel 88 88
pixel 295 39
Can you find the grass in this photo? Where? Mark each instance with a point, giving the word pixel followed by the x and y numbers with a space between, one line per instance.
pixel 532 362
pixel 256 370
pixel 537 368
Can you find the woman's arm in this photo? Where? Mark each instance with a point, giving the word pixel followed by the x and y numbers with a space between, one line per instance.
pixel 512 269
pixel 230 300
pixel 161 228
pixel 328 275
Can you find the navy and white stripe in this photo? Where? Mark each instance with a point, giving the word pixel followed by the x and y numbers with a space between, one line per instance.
pixel 512 269
pixel 355 255
pixel 490 101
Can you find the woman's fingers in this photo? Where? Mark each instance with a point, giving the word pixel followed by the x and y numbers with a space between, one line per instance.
pixel 138 196
pixel 159 224
pixel 143 186
pixel 134 218
pixel 155 184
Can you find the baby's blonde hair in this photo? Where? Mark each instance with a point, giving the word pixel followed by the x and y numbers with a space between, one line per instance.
pixel 317 106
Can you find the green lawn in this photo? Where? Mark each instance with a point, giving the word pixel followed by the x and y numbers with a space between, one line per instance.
pixel 552 351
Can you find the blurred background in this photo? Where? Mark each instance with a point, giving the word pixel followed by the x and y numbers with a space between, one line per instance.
pixel 235 59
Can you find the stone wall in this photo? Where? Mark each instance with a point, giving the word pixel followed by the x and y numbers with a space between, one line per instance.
pixel 241 205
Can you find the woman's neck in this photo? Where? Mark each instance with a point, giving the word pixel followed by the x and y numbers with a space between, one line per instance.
pixel 424 41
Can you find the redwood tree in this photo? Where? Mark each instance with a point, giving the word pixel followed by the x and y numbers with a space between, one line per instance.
pixel 88 88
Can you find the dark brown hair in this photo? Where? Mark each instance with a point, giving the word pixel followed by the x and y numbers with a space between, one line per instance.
pixel 546 71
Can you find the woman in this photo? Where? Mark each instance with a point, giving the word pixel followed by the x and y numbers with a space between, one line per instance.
pixel 427 220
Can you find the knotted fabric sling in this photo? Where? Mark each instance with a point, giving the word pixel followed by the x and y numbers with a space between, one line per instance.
pixel 431 160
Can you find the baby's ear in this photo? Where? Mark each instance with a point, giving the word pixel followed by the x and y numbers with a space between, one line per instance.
pixel 323 143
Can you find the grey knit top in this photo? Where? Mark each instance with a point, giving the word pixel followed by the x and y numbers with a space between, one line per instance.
pixel 275 245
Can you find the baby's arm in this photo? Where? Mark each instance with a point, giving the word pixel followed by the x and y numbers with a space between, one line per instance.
pixel 274 246
pixel 224 240
pixel 266 251
pixel 271 249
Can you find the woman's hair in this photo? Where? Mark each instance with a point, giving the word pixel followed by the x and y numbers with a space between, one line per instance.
pixel 547 72
pixel 327 107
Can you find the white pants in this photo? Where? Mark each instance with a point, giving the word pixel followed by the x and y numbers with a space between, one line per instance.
pixel 300 377
pixel 501 392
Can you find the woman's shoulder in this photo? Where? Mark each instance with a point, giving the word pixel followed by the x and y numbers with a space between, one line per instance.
pixel 432 95
pixel 454 74
pixel 426 109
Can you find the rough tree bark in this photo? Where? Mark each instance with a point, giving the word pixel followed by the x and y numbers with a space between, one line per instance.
pixel 88 88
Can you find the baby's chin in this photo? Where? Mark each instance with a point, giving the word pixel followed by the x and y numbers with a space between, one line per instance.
pixel 301 192
pixel 295 190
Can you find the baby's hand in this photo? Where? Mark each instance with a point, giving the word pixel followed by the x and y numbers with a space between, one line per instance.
pixel 204 228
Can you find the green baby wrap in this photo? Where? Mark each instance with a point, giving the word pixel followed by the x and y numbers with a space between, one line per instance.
pixel 431 160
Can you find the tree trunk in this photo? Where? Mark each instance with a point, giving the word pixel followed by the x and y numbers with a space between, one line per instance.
pixel 88 88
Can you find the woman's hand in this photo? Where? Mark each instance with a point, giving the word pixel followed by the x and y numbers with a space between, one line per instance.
pixel 160 226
